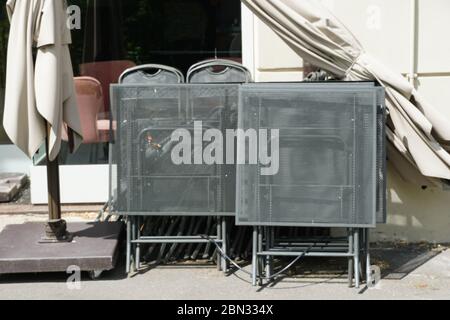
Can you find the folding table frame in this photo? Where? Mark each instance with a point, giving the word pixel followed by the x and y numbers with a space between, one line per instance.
pixel 355 247
pixel 135 132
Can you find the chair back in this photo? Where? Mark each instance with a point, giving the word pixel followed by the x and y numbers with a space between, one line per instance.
pixel 89 95
pixel 152 74
pixel 218 71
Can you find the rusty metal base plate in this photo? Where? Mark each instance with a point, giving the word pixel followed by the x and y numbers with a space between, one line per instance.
pixel 94 247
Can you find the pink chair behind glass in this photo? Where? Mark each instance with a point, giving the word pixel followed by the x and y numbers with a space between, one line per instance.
pixel 107 72
pixel 90 102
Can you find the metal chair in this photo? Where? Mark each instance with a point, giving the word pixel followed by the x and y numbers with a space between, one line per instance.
pixel 218 71
pixel 158 74
pixel 151 74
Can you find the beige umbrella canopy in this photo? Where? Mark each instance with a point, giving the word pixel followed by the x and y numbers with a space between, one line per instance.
pixel 416 129
pixel 39 95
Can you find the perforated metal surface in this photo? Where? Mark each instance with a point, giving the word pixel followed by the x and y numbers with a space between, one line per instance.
pixel 328 155
pixel 142 77
pixel 152 74
pixel 145 180
pixel 227 75
pixel 332 169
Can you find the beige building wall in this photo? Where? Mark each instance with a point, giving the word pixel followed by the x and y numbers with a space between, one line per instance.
pixel 409 36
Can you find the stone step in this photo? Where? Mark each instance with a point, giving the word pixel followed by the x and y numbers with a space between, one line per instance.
pixel 10 185
pixel 8 192
pixel 18 178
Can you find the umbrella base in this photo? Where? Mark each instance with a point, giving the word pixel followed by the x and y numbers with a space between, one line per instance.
pixel 56 232
pixel 95 248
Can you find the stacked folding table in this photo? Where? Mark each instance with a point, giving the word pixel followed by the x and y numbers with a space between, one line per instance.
pixel 327 146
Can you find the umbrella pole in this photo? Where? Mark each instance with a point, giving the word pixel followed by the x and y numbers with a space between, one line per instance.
pixel 56 227
pixel 54 198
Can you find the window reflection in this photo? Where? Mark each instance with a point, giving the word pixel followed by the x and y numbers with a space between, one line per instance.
pixel 118 34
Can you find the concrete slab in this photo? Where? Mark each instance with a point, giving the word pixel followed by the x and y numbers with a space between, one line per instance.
pixel 8 191
pixel 17 178
pixel 421 279
pixel 199 283
pixel 10 185
pixel 95 247
pixel 19 209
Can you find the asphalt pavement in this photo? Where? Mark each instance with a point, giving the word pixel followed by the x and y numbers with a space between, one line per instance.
pixel 409 272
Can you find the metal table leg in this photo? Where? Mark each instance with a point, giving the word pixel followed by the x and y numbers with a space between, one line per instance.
pixel 128 254
pixel 224 244
pixel 350 259
pixel 268 232
pixel 271 245
pixel 133 246
pixel 219 237
pixel 138 245
pixel 356 258
pixel 362 245
pixel 254 255
pixel 260 249
pixel 368 264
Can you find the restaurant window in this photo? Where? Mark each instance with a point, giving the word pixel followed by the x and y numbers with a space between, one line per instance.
pixel 118 34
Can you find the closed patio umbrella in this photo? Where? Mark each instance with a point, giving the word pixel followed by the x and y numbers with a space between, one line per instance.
pixel 39 97
pixel 416 128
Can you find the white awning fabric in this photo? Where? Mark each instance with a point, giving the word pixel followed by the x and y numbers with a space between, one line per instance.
pixel 416 129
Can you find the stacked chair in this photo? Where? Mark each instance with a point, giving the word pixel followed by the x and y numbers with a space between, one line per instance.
pixel 151 74
pixel 218 71
pixel 331 170
pixel 178 236
pixel 226 71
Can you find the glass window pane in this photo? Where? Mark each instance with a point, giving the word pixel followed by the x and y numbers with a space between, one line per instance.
pixel 118 34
